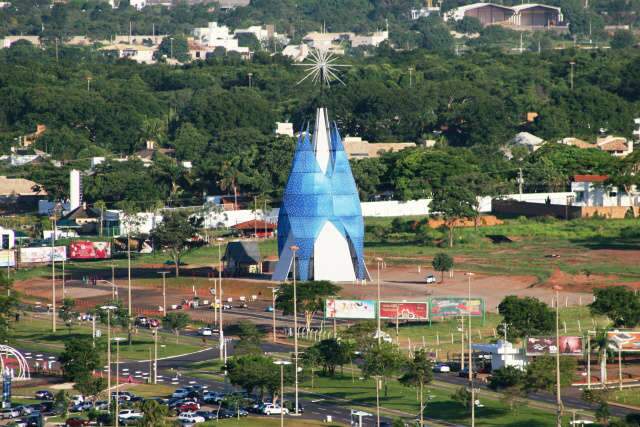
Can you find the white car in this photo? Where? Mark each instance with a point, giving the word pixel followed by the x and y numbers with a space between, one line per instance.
pixel 205 332
pixel 128 414
pixel 431 279
pixel 190 417
pixel 77 399
pixel 180 393
pixel 9 413
pixel 441 367
pixel 271 409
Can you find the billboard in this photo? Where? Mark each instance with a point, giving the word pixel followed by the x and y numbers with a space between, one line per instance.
pixel 404 310
pixel 624 340
pixel 350 309
pixel 7 258
pixel 447 307
pixel 89 250
pixel 42 254
pixel 569 346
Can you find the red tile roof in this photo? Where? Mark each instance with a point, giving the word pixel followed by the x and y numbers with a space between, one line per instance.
pixel 590 178
pixel 252 225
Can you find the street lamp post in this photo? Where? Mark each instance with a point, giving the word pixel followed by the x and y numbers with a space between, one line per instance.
pixel 282 363
pixel 117 340
pixel 377 378
pixel 164 291
pixel 294 249
pixel 470 364
pixel 558 396
pixel 171 50
pixel 379 261
pixel 250 76
pixel 572 64
pixel 108 308
pixel 274 291
pixel 155 355
pixel 53 269
pixel 221 328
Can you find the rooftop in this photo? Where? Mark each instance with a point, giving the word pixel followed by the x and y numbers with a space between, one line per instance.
pixel 590 178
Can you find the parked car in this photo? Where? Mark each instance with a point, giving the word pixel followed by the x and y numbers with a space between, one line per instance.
pixel 242 305
pixel 464 373
pixel 188 407
pixel 269 309
pixel 142 321
pixel 441 367
pixel 130 414
pixel 9 413
pixel 122 395
pixel 101 405
pixel 205 332
pixel 82 406
pixel 431 279
pixel 291 406
pixel 44 395
pixel 271 409
pixel 226 306
pixel 207 415
pixel 76 422
pixel 212 397
pixel 78 398
pixel 180 393
pixel 190 417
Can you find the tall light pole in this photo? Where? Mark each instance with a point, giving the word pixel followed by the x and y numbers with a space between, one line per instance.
pixel 108 308
pixel 164 291
pixel 155 355
pixel 63 281
pixel 250 75
pixel 410 77
pixel 171 40
pixel 117 340
pixel 377 378
pixel 470 364
pixel 282 363
pixel 294 249
pixel 274 291
pixel 114 289
pixel 572 64
pixel 558 397
pixel 379 261
pixel 53 269
pixel 221 328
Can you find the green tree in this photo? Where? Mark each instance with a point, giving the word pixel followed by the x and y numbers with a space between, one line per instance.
pixel 417 373
pixel 526 316
pixel 623 39
pixel 154 414
pixel 255 372
pixel 442 262
pixel 79 359
pixel 453 203
pixel 61 403
pixel 383 360
pixel 311 298
pixel 469 25
pixel 333 353
pixel 435 34
pixel 541 373
pixel 462 396
pixel 311 359
pixel 618 303
pixel 89 385
pixel 190 143
pixel 174 233
pixel 175 46
pixel 8 305
pixel 66 312
pixel 250 338
pixel 510 382
pixel 176 322
pixel 600 398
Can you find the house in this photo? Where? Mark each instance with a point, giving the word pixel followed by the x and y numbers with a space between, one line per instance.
pixel 30 138
pixel 357 148
pixel 139 53
pixel 284 128
pixel 7 238
pixel 615 145
pixel 146 155
pixel 242 258
pixel 530 141
pixel 9 40
pixel 264 34
pixel 334 41
pixel 593 190
pixel 503 354
pixel 297 52
pixel 19 195
pixel 82 220
pixel 256 228
pixel 524 16
pixel 198 51
pixel 576 142
pixel 214 36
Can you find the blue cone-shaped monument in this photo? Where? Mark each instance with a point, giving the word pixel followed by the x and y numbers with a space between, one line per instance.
pixel 320 214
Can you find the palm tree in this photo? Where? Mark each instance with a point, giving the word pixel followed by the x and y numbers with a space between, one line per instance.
pixel 100 204
pixel 418 373
pixel 601 342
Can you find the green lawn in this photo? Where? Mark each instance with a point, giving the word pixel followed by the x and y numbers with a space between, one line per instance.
pixel 267 422
pixel 440 406
pixel 628 396
pixel 35 334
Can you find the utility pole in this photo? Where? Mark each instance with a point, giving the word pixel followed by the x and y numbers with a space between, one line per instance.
pixel 470 365
pixel 558 397
pixel 155 355
pixel 53 271
pixel 379 261
pixel 294 249
pixel 274 291
pixel 56 50
pixel 410 77
pixel 221 328
pixel 164 291
pixel 572 64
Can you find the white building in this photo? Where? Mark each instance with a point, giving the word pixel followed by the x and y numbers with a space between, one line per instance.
pixel 615 145
pixel 592 190
pixel 503 354
pixel 297 52
pixel 7 238
pixel 215 35
pixel 264 34
pixel 530 141
pixel 138 53
pixel 9 40
pixel 334 41
pixel 285 128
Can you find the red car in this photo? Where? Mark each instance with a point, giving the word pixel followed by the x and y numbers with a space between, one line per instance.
pixel 189 407
pixel 76 422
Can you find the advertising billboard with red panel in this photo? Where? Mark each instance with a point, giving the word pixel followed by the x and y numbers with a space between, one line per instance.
pixel 569 346
pixel 89 250
pixel 404 310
